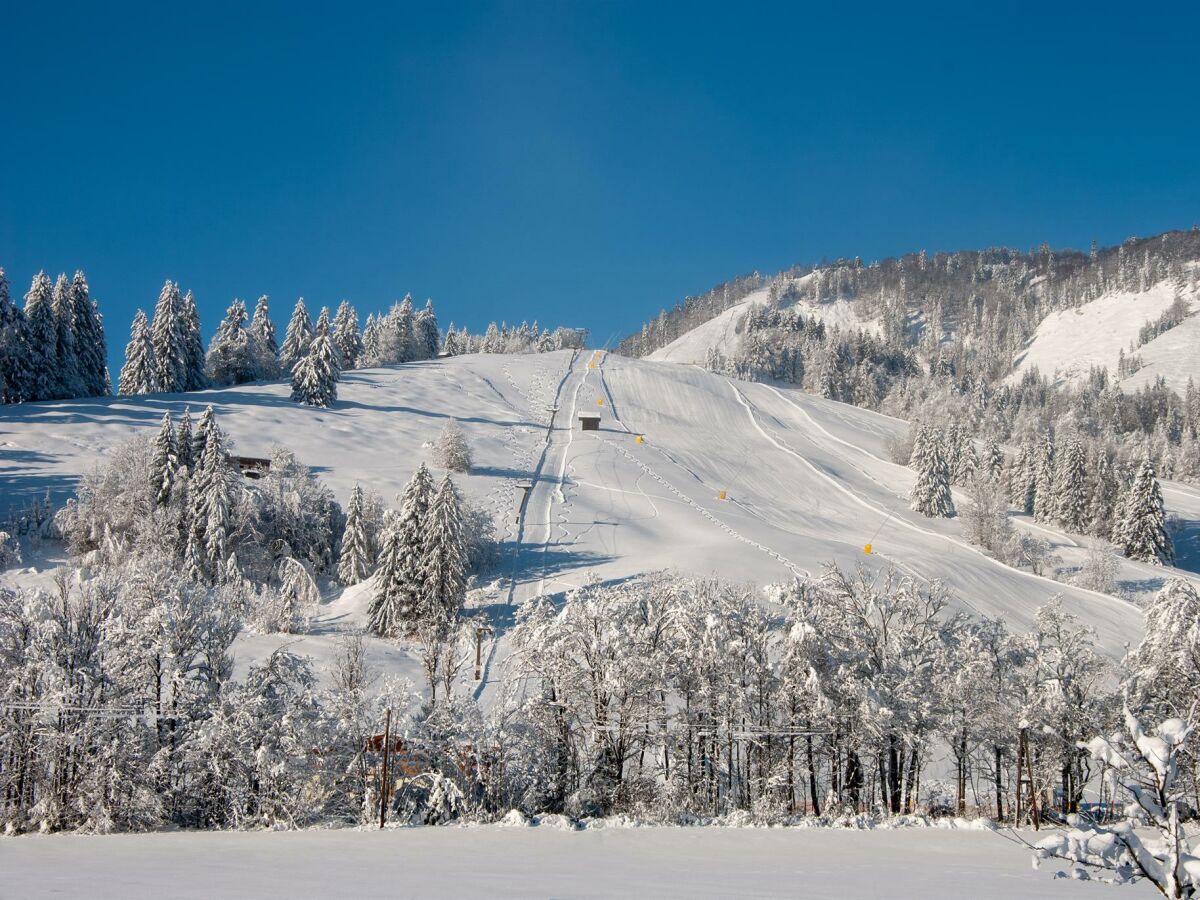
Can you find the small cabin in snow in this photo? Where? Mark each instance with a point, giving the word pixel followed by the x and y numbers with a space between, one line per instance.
pixel 589 423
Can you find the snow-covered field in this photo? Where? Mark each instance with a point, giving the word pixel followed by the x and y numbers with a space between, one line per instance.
pixel 1068 343
pixel 807 481
pixel 495 861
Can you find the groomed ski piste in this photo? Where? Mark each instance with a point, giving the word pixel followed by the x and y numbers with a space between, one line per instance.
pixel 806 482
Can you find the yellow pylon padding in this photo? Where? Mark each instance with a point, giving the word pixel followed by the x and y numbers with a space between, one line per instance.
pixel 638 439
pixel 867 549
pixel 591 365
pixel 721 495
pixel 600 401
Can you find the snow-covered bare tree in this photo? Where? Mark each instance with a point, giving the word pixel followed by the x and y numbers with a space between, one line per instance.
pixel 451 450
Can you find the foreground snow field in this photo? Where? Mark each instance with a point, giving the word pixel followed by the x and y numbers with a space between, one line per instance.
pixel 495 861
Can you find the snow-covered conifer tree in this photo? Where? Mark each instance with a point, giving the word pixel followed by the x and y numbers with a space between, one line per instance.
pixel 195 378
pixel 444 563
pixel 346 336
pixel 315 377
pixel 411 525
pixel 426 334
pixel 384 616
pixel 994 464
pixel 40 340
pixel 372 347
pixel 265 345
pixel 931 494
pixel 296 339
pixel 1102 503
pixel 185 442
pixel 450 344
pixel 1044 504
pixel 1070 489
pixel 13 363
pixel 1142 532
pixel 168 335
pixel 138 374
pixel 165 463
pixel 232 356
pixel 451 450
pixel 354 564
pixel 67 380
pixel 397 336
pixel 90 344
pixel 323 326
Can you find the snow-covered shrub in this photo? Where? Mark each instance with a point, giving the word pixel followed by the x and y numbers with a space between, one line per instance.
pixel 1025 549
pixel 295 515
pixel 1146 767
pixel 10 551
pixel 429 799
pixel 985 518
pixel 1099 570
pixel 451 450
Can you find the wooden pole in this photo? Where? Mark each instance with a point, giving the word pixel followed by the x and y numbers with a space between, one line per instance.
pixel 1020 758
pixel 478 653
pixel 383 787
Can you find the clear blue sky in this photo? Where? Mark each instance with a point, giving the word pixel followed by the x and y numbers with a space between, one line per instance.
pixel 574 163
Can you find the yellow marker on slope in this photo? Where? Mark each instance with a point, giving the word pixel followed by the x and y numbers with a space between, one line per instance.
pixel 600 401
pixel 721 495
pixel 867 549
pixel 638 439
pixel 591 365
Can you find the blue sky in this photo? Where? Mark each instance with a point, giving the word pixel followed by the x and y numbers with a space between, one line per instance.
pixel 574 163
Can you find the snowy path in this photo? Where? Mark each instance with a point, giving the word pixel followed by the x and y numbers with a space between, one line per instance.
pixel 502 862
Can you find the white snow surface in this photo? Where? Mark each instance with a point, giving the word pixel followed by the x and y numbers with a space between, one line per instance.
pixel 1068 343
pixel 807 482
pixel 498 861
pixel 721 331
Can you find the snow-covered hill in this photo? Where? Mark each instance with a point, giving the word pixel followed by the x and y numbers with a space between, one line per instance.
pixel 721 333
pixel 807 480
pixel 1068 343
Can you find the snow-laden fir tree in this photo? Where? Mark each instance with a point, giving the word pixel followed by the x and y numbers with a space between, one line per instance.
pixel 1142 532
pixel 398 341
pixel 233 356
pixel 931 494
pixel 384 614
pixel 214 491
pixel 1070 488
pixel 296 339
pixel 400 581
pixel 68 382
pixel 966 460
pixel 425 332
pixel 138 374
pixel 451 450
pixel 315 377
pixel 356 559
pixel 1103 498
pixel 1022 479
pixel 993 465
pixel 13 374
pixel 165 464
pixel 169 337
pixel 450 345
pixel 346 336
pixel 40 340
pixel 266 346
pixel 195 378
pixel 1044 504
pixel 185 442
pixel 90 343
pixel 323 326
pixel 444 563
pixel 204 428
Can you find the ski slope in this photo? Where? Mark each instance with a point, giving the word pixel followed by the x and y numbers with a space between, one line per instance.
pixel 1069 342
pixel 807 483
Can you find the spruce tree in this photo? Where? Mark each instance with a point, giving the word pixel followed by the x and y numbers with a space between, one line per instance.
pixel 195 378
pixel 90 343
pixel 411 525
pixel 398 344
pixel 219 482
pixel 384 615
pixel 185 442
pixel 1102 502
pixel 444 564
pixel 450 343
pixel 1142 533
pixel 296 339
pixel 346 337
pixel 13 362
pixel 232 356
pixel 315 377
pixel 1070 489
pixel 40 340
pixel 138 374
pixel 372 345
pixel 425 331
pixel 354 564
pixel 67 380
pixel 1044 504
pixel 931 494
pixel 165 464
pixel 168 335
pixel 994 465
pixel 266 347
